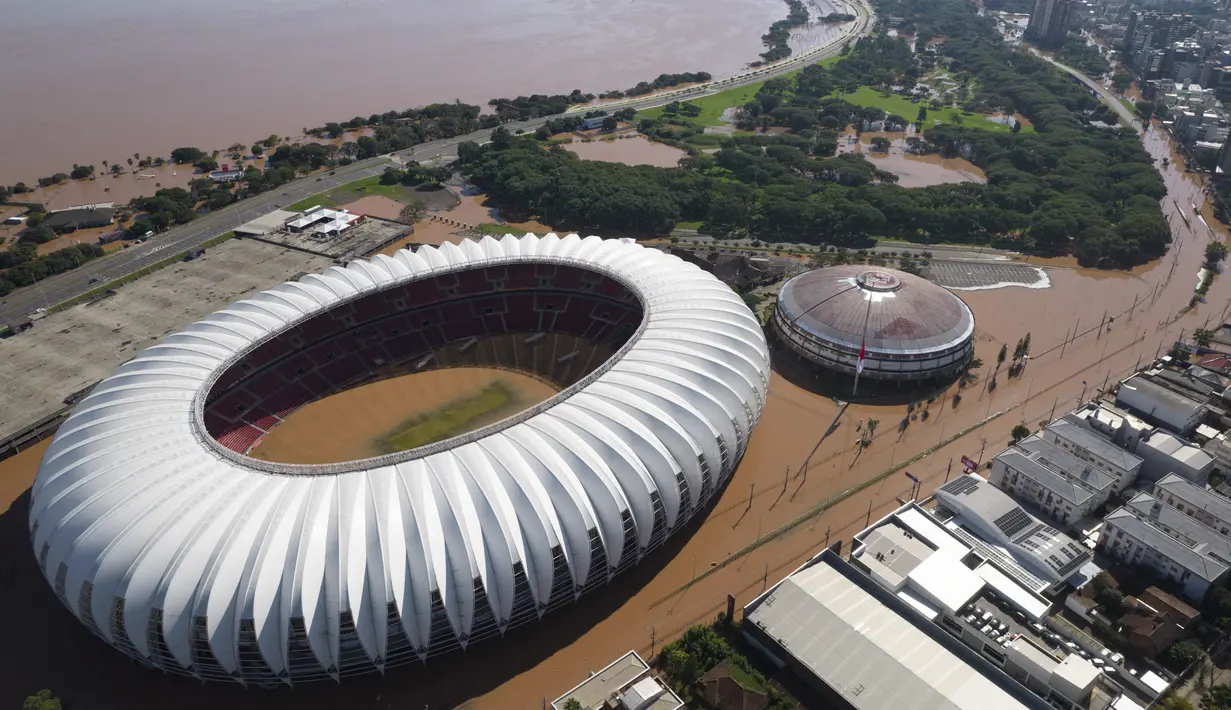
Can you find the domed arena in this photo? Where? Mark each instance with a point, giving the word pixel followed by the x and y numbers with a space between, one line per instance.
pixel 907 327
pixel 160 531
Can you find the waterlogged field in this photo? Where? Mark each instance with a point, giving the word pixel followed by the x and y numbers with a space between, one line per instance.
pixel 399 414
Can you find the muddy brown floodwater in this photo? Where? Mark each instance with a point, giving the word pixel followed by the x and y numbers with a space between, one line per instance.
pixel 912 170
pixel 636 150
pixel 767 521
pixel 147 76
pixel 349 425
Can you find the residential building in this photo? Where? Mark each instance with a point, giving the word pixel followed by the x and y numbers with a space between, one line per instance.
pixel 1176 610
pixel 1062 486
pixel 1162 405
pixel 1049 20
pixel 1147 532
pixel 722 691
pixel 994 517
pixel 1197 502
pixel 861 647
pixel 1089 446
pixel 1148 632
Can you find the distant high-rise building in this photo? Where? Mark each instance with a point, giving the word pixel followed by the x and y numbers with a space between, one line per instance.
pixel 1049 21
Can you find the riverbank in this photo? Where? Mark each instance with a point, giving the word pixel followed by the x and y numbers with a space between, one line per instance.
pixel 276 87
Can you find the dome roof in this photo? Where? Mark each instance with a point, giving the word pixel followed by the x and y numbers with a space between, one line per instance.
pixel 889 311
pixel 200 561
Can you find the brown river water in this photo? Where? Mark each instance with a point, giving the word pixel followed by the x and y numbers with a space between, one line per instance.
pixel 84 82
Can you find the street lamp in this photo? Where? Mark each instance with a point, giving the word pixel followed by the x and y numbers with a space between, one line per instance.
pixel 913 486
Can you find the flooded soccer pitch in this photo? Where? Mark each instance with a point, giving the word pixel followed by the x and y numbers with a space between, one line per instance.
pixel 769 519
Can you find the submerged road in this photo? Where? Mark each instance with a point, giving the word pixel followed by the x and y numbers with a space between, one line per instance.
pixel 69 285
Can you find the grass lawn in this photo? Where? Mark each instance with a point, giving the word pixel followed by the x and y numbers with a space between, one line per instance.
pixel 904 107
pixel 1128 104
pixel 351 191
pixel 744 679
pixel 450 420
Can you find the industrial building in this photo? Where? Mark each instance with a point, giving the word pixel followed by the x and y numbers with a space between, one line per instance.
pixel 996 518
pixel 624 684
pixel 906 327
pixel 1146 531
pixel 74 218
pixel 1160 403
pixel 862 647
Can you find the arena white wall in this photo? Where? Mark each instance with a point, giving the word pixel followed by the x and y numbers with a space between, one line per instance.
pixel 200 561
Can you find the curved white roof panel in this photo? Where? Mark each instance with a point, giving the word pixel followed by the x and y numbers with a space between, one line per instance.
pixel 190 556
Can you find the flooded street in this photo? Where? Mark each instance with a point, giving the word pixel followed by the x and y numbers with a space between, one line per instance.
pixel 212 74
pixel 637 150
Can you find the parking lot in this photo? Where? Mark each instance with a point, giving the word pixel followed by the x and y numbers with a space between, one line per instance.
pixel 972 276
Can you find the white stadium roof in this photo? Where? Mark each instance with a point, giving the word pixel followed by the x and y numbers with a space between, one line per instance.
pixel 200 560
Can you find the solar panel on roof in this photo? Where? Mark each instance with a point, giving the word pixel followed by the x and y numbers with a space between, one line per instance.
pixel 963 485
pixel 1013 522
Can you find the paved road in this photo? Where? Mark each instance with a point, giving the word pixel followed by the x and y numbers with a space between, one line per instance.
pixel 1108 98
pixel 66 286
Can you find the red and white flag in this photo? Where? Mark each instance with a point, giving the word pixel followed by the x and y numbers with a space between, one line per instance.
pixel 859 363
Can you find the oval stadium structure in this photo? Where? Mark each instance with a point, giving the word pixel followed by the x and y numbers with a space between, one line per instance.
pixel 910 328
pixel 157 530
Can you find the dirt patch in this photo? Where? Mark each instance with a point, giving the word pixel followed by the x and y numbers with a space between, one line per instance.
pixel 376 206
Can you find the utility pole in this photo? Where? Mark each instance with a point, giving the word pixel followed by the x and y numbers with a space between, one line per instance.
pixel 1100 326
pixel 827 527
pixel 752 491
pixel 1066 343
pixel 652 640
pixel 1082 399
pixel 1052 417
pixel 1133 307
pixel 947 470
pixel 786 479
pixel 868 520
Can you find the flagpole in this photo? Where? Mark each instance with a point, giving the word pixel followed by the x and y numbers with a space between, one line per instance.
pixel 863 339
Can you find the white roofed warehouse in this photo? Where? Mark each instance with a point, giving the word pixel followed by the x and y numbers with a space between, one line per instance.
pixel 156 528
pixel 908 328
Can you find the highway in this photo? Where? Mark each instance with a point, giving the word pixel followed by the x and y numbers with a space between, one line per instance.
pixel 69 285
pixel 1108 98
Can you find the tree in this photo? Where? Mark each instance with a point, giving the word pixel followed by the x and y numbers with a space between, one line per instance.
pixel 258 150
pixel 1021 431
pixel 572 704
pixel 412 212
pixel 392 176
pixel 42 700
pixel 185 155
pixel 1203 337
pixel 880 144
pixel 116 169
pixel 1180 655
pixel 610 123
pixel 1215 252
pixel 1175 702
pixel 334 130
pixel 1000 356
